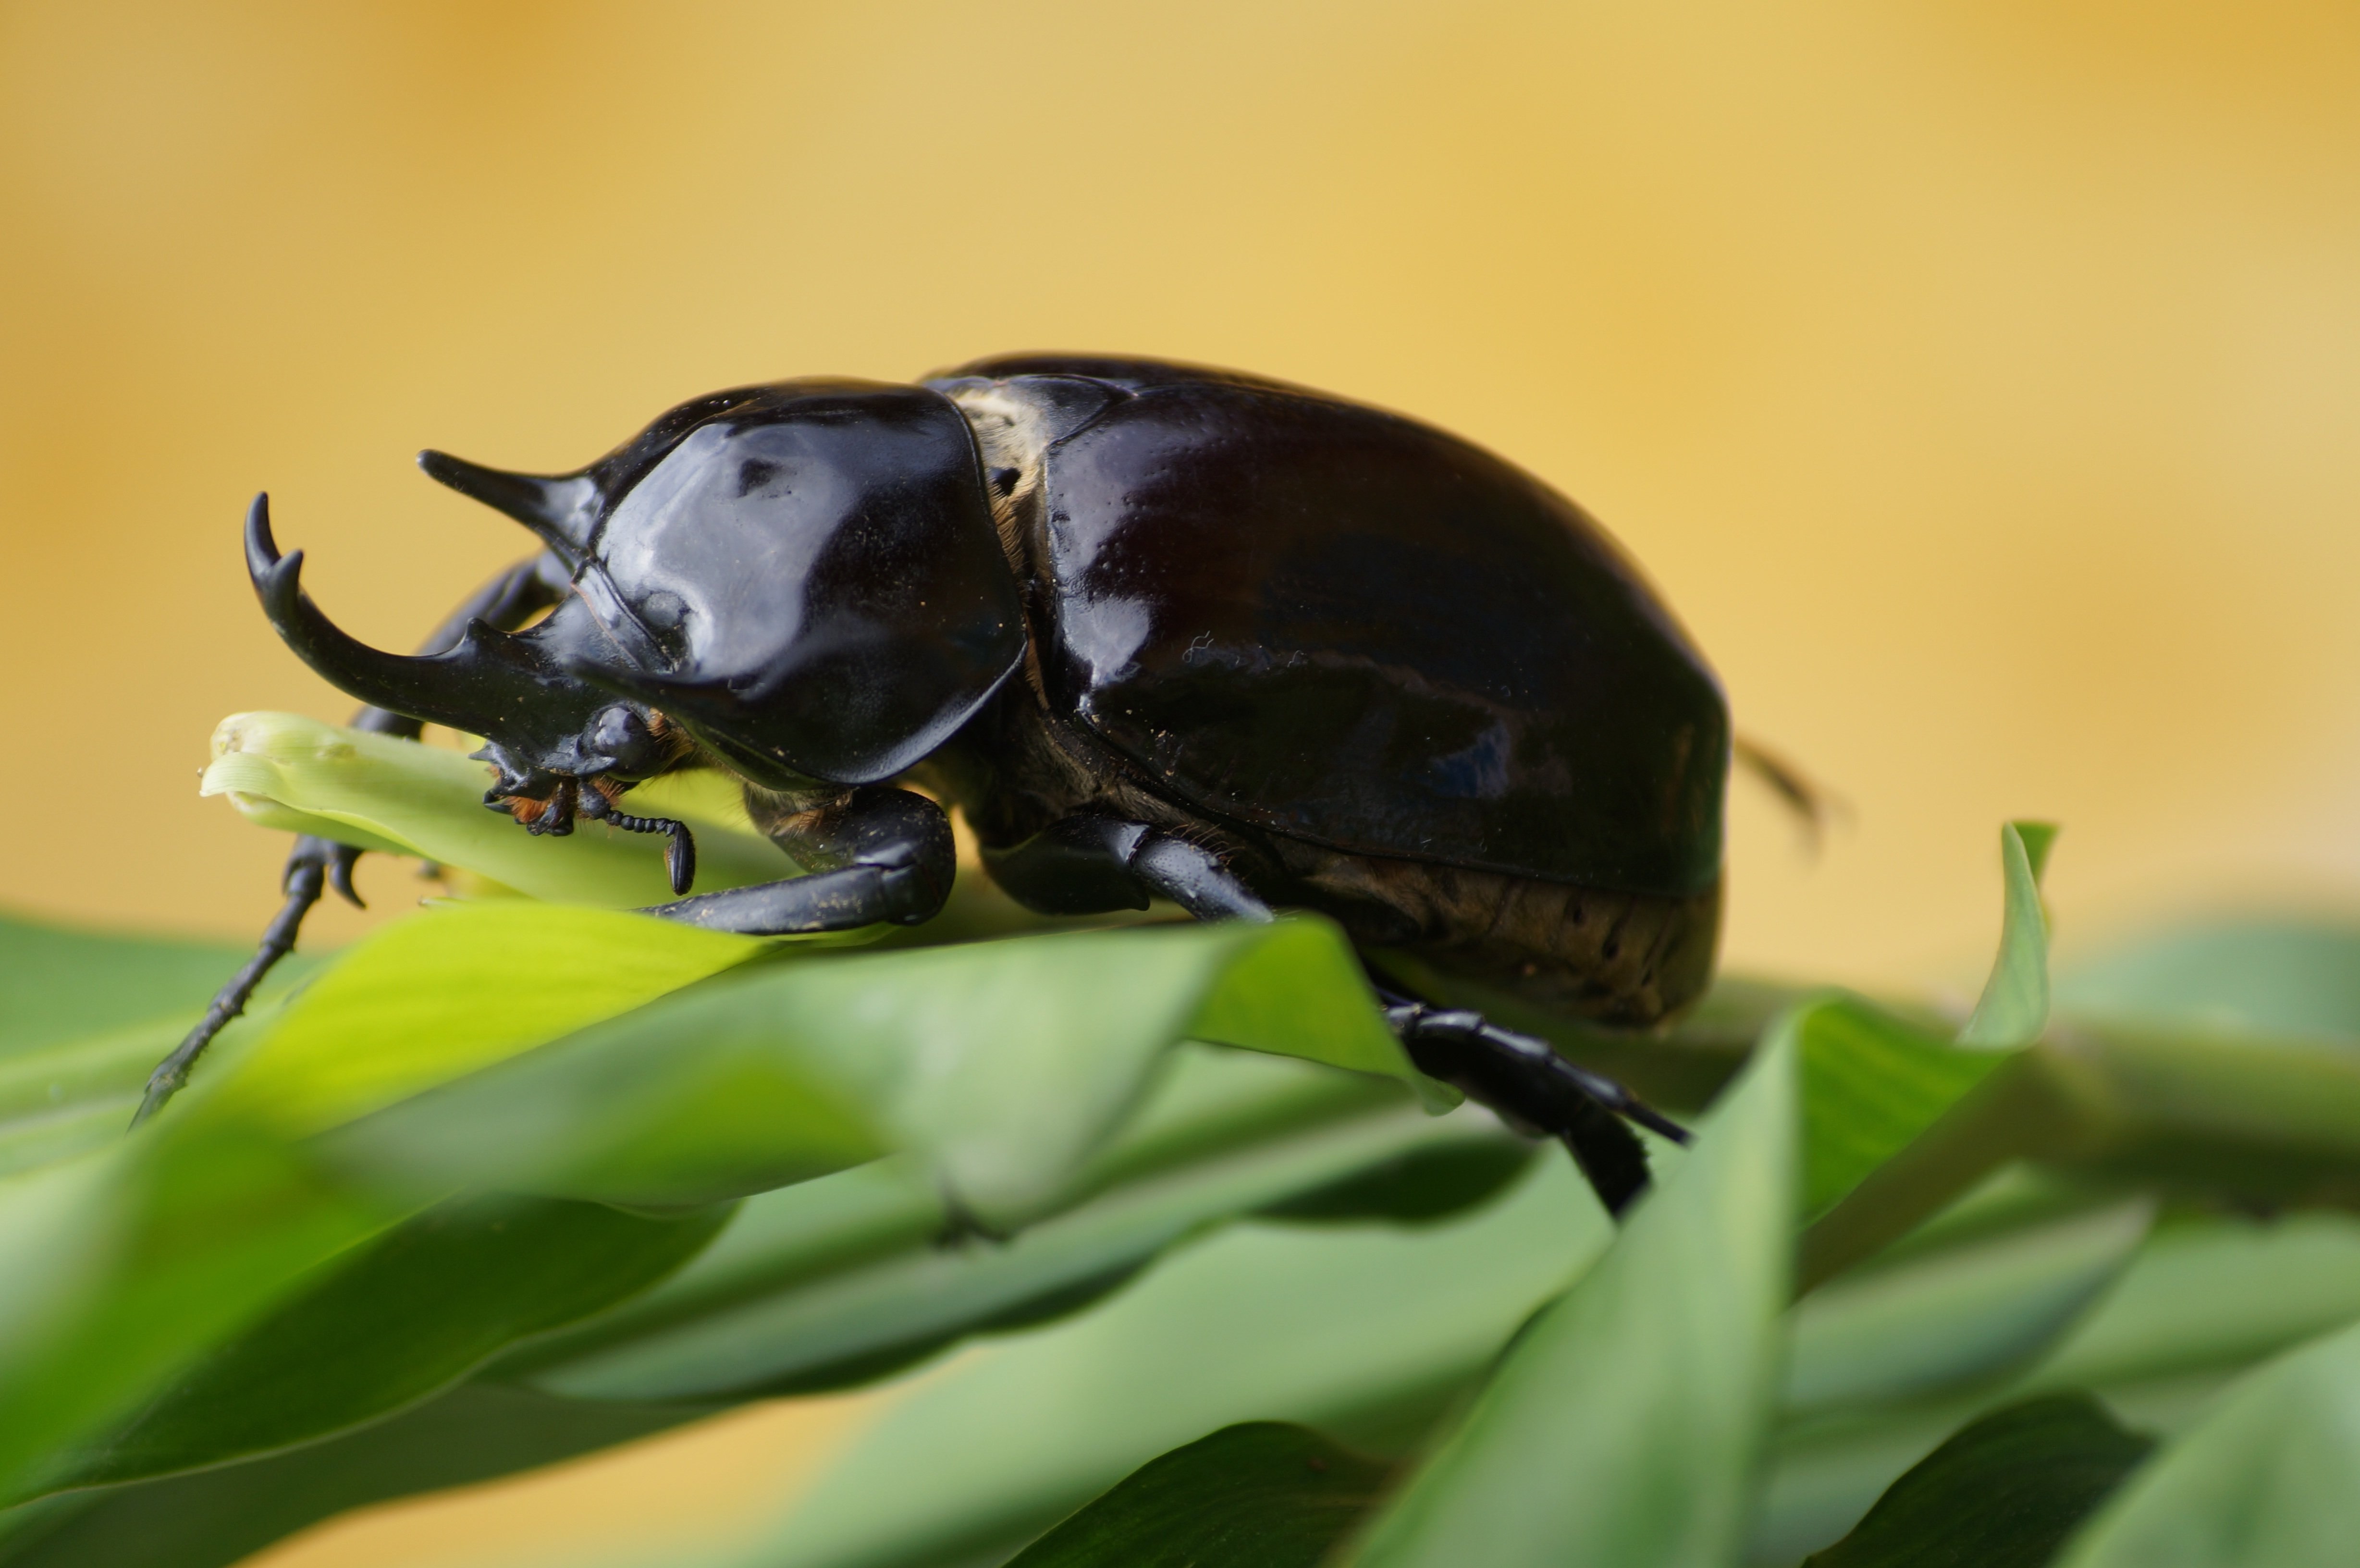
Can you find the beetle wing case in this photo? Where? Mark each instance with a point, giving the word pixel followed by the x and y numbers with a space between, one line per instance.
pixel 807 575
pixel 1345 626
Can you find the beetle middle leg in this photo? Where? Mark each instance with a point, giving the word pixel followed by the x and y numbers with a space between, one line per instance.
pixel 873 854
pixel 1087 865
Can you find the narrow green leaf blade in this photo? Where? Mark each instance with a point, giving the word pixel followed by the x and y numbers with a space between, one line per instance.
pixel 2270 1479
pixel 2013 1008
pixel 1623 1427
pixel 1262 1495
pixel 1870 1084
pixel 2003 1492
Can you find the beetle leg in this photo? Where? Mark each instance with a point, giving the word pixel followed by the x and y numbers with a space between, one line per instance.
pixel 305 880
pixel 509 600
pixel 880 854
pixel 1523 1079
pixel 1086 865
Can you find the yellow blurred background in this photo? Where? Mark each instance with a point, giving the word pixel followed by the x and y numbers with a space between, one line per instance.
pixel 1980 382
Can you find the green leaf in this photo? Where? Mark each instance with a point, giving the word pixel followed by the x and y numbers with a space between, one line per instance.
pixel 1958 1315
pixel 212 1518
pixel 84 1017
pixel 1875 1088
pixel 389 1322
pixel 117 1268
pixel 2269 1479
pixel 448 993
pixel 2268 976
pixel 1261 1494
pixel 841 1278
pixel 2013 1008
pixel 120 1267
pixel 2003 1493
pixel 1871 1084
pixel 296 775
pixel 59 986
pixel 1002 1065
pixel 1434 1182
pixel 1362 1331
pixel 2204 1298
pixel 1623 1426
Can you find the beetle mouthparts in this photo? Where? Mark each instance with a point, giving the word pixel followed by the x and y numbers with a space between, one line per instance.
pixel 679 854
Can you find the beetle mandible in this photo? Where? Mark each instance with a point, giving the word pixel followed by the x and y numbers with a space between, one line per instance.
pixel 1156 630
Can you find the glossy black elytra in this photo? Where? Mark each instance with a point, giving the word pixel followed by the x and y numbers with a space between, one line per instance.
pixel 1157 630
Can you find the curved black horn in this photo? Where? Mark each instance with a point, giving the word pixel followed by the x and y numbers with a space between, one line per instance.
pixel 562 509
pixel 472 687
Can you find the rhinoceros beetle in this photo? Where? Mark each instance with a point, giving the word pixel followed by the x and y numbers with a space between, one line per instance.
pixel 1158 631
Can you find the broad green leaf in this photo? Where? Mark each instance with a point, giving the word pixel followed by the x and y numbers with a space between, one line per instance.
pixel 2270 976
pixel 1951 1317
pixel 2014 1004
pixel 2203 1299
pixel 214 1518
pixel 2270 1479
pixel 1432 1181
pixel 2003 1493
pixel 1003 1065
pixel 1362 1331
pixel 2211 1296
pixel 1260 1494
pixel 84 1017
pixel 296 775
pixel 449 992
pixel 842 1278
pixel 1623 1426
pixel 120 1267
pixel 60 986
pixel 1228 1131
pixel 385 1324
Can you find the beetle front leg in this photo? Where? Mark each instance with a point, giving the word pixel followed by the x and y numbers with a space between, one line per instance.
pixel 315 864
pixel 878 855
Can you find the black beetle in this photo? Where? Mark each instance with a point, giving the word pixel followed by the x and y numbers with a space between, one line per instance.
pixel 1157 630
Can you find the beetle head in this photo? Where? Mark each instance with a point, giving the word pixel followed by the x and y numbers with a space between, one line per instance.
pixel 803 577
pixel 547 732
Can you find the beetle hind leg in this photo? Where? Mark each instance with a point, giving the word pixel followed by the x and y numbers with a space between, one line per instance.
pixel 1087 863
pixel 1526 1081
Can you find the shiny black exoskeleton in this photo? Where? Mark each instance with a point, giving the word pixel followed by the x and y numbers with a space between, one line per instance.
pixel 1156 630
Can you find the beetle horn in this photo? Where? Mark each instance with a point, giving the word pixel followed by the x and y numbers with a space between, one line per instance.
pixel 478 681
pixel 559 509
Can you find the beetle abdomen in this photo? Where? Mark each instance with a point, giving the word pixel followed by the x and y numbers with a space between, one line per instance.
pixel 1341 627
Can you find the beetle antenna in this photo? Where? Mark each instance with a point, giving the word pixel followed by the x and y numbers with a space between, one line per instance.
pixel 1811 803
pixel 679 854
